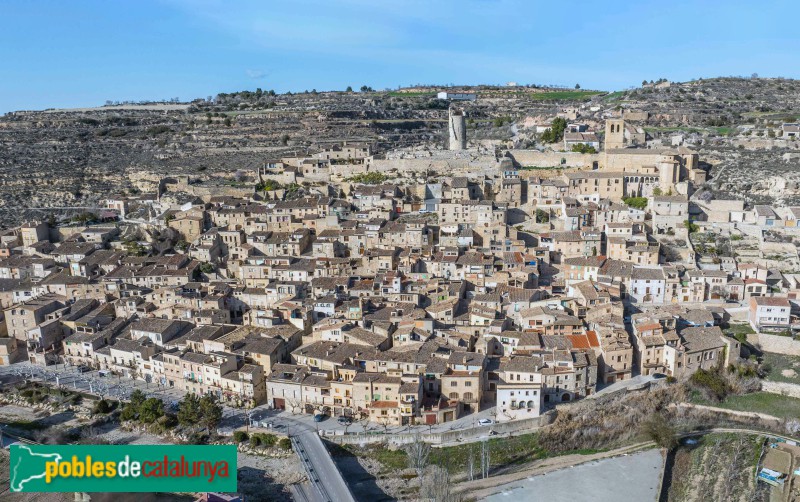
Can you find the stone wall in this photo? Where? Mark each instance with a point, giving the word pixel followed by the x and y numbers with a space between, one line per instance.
pixel 536 158
pixel 456 165
pixel 183 184
pixel 775 343
pixel 782 388
pixel 514 427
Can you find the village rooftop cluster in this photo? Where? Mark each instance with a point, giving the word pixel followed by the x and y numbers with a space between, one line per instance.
pixel 399 300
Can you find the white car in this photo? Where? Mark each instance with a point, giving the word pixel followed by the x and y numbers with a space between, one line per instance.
pixel 485 421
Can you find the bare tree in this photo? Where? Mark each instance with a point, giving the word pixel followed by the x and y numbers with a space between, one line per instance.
pixel 349 418
pixel 438 486
pixel 417 455
pixel 471 463
pixel 384 421
pixel 363 419
pixel 736 463
pixel 485 460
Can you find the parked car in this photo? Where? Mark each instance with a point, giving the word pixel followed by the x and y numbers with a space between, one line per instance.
pixel 84 369
pixel 103 373
pixel 485 421
pixel 319 417
pixel 345 420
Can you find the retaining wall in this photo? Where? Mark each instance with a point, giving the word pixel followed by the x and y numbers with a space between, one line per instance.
pixel 440 438
pixel 548 159
pixel 782 388
pixel 776 343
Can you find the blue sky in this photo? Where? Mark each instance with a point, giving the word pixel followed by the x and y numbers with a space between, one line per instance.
pixel 57 53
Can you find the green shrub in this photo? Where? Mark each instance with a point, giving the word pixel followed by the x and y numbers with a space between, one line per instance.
pixel 371 178
pixel 268 186
pixel 156 130
pixel 102 407
pixel 240 436
pixel 151 410
pixel 268 439
pixel 691 227
pixel 583 148
pixel 636 202
pixel 129 412
pixel 542 216
pixel 555 132
pixel 285 444
pixel 711 382
pixel 198 438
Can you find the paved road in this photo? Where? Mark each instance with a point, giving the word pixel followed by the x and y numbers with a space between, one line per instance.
pixel 264 413
pixel 303 492
pixel 321 470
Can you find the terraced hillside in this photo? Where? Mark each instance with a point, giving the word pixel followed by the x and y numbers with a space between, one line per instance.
pixel 74 158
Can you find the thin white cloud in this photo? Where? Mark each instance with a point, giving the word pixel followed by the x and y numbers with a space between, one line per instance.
pixel 255 74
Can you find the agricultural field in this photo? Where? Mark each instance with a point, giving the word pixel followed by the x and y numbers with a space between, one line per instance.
pixel 576 95
pixel 782 368
pixel 720 467
pixel 763 402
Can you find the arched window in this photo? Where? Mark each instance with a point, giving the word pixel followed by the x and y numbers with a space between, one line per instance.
pixel 468 396
pixel 530 404
pixel 454 395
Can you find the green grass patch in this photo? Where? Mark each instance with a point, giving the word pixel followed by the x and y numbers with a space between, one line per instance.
pixel 370 178
pixel 614 96
pixel 391 460
pixel 411 94
pixel 636 202
pixel 672 129
pixel 563 95
pixel 764 402
pixel 782 368
pixel 739 331
pixel 503 451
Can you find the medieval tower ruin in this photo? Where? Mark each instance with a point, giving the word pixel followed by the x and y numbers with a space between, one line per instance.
pixel 458 129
